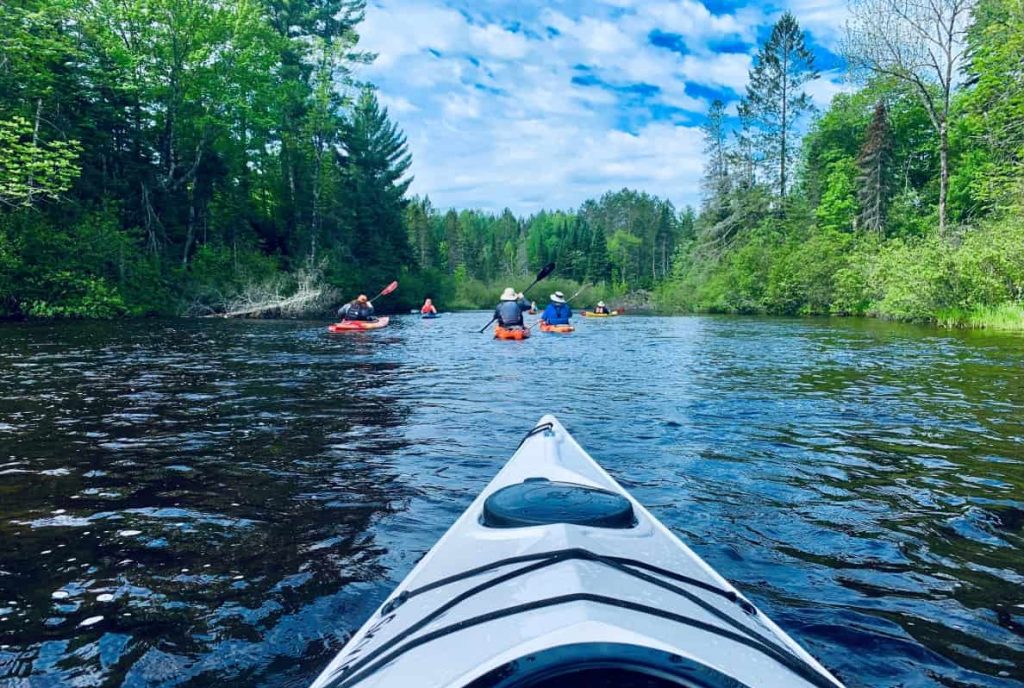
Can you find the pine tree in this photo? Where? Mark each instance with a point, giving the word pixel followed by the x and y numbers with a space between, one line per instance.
pixel 775 98
pixel 874 183
pixel 716 182
pixel 452 240
pixel 375 162
pixel 716 170
pixel 599 267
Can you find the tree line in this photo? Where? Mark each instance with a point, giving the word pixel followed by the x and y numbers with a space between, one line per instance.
pixel 902 200
pixel 625 240
pixel 156 153
pixel 158 156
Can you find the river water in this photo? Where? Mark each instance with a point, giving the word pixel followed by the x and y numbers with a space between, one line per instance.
pixel 201 503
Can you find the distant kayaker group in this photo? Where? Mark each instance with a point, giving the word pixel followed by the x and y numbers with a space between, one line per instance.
pixel 359 313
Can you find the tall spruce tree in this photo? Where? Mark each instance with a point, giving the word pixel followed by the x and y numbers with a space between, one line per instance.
pixel 775 99
pixel 715 184
pixel 599 266
pixel 376 161
pixel 452 241
pixel 875 171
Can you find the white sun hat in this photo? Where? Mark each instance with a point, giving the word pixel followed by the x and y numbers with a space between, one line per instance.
pixel 509 294
pixel 558 297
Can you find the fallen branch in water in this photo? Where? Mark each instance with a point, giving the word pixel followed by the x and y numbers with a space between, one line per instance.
pixel 279 297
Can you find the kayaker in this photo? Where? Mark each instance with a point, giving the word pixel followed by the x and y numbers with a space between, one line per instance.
pixel 428 308
pixel 600 308
pixel 557 312
pixel 510 309
pixel 533 308
pixel 359 309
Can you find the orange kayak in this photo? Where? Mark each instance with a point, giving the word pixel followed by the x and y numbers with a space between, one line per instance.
pixel 563 329
pixel 510 332
pixel 358 325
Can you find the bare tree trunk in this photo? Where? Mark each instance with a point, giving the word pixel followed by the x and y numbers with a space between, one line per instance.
pixel 190 231
pixel 35 144
pixel 943 175
pixel 785 123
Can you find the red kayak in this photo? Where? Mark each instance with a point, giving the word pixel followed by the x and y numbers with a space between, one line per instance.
pixel 562 329
pixel 358 325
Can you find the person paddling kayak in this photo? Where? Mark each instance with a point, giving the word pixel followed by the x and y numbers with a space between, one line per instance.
pixel 428 308
pixel 557 312
pixel 510 309
pixel 600 308
pixel 359 309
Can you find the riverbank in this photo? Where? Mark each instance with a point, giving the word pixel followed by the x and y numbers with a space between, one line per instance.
pixel 971 279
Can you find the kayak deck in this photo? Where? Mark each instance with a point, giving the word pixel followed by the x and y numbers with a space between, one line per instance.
pixel 501 603
pixel 511 333
pixel 358 325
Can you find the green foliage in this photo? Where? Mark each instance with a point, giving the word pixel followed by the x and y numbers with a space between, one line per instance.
pixel 183 148
pixel 75 296
pixel 861 234
pixel 1006 316
pixel 838 208
pixel 993 106
pixel 158 154
pixel 32 170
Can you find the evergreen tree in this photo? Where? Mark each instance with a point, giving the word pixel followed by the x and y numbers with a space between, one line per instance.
pixel 375 161
pixel 452 241
pixel 599 266
pixel 875 172
pixel 715 183
pixel 775 98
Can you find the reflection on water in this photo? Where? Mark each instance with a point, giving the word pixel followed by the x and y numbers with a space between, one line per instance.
pixel 221 503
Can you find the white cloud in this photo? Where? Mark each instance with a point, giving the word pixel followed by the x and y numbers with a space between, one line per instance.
pixel 496 119
pixel 397 105
pixel 822 90
pixel 395 32
pixel 721 69
pixel 825 20
pixel 499 42
pixel 462 106
pixel 694 20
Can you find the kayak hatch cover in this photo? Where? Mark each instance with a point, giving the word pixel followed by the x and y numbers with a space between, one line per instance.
pixel 359 325
pixel 554 575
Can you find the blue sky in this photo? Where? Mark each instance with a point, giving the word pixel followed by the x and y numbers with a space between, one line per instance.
pixel 532 105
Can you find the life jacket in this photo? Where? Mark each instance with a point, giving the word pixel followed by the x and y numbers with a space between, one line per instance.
pixel 559 314
pixel 510 313
pixel 358 311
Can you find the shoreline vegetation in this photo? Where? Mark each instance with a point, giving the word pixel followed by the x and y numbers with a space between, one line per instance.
pixel 246 172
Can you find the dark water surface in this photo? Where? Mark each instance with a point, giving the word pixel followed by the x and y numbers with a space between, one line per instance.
pixel 221 503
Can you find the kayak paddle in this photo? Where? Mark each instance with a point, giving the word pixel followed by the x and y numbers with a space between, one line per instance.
pixel 387 290
pixel 544 272
pixel 581 289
